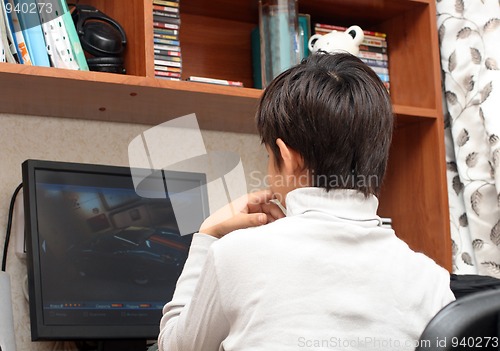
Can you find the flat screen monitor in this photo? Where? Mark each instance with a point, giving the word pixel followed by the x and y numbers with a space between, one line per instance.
pixel 102 260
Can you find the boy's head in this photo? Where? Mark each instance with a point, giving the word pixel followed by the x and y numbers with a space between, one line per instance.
pixel 336 114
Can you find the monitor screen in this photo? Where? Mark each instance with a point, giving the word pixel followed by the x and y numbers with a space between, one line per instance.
pixel 102 260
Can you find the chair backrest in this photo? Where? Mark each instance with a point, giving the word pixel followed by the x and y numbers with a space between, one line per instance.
pixel 469 323
pixel 465 284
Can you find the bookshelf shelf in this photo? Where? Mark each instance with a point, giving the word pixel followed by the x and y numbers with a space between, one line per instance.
pixel 215 40
pixel 109 97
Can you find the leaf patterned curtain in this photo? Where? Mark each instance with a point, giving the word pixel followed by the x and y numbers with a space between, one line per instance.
pixel 469 36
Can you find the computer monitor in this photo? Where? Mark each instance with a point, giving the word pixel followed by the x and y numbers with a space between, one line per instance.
pixel 102 260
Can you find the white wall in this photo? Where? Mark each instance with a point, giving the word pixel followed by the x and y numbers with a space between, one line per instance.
pixel 58 139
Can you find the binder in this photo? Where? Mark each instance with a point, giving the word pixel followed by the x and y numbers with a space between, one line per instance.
pixel 63 33
pixel 6 42
pixel 2 59
pixel 15 27
pixel 56 36
pixel 32 32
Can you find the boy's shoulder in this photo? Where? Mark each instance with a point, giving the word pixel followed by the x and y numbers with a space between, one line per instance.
pixel 254 238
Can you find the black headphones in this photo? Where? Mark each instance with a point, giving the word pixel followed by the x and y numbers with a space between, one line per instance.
pixel 101 37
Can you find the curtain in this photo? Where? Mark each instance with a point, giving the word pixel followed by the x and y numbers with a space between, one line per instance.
pixel 469 37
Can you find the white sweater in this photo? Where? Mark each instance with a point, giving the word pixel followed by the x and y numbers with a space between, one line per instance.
pixel 326 277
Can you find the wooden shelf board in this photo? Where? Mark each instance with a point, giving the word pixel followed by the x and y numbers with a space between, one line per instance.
pixel 411 114
pixel 118 98
pixel 133 99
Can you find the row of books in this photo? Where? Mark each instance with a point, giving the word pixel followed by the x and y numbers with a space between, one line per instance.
pixel 40 33
pixel 372 51
pixel 167 49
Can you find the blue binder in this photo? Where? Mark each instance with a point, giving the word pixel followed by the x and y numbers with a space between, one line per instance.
pixel 32 31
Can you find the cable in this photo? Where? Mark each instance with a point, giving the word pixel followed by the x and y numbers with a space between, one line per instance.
pixel 9 226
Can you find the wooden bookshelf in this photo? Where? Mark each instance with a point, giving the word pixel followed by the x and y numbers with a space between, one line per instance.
pixel 215 40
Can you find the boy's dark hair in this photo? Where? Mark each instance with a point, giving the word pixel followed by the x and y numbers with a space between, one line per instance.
pixel 336 113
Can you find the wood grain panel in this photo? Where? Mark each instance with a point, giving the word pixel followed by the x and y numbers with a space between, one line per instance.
pixel 412 58
pixel 216 48
pixel 120 98
pixel 414 192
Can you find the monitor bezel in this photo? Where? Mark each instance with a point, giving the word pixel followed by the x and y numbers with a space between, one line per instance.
pixel 40 330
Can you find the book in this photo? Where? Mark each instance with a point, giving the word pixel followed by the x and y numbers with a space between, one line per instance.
pixel 166 3
pixel 27 13
pixel 383 77
pixel 167 74
pixel 168 78
pixel 161 62
pixel 165 31
pixel 168 69
pixel 168 14
pixel 167 47
pixel 9 44
pixel 166 19
pixel 176 54
pixel 215 81
pixel 166 41
pixel 160 55
pixel 166 9
pixel 374 41
pixel 165 36
pixel 2 50
pixel 370 48
pixel 373 55
pixel 375 63
pixel 381 70
pixel 56 36
pixel 73 37
pixel 3 38
pixel 164 25
pixel 17 35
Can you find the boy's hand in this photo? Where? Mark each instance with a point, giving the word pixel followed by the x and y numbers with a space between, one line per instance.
pixel 250 210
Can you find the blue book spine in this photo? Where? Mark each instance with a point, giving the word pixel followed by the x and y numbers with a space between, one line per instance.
pixel 27 12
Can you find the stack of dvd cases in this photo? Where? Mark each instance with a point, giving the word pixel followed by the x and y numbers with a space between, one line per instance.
pixel 372 51
pixel 167 50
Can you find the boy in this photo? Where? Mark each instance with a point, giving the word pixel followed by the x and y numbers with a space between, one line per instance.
pixel 327 275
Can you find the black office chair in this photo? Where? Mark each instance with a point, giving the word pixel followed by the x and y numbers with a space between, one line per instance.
pixel 469 323
pixel 465 284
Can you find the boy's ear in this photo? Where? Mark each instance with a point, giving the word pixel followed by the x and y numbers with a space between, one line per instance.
pixel 292 161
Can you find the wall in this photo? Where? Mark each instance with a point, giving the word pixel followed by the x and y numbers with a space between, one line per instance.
pixel 33 137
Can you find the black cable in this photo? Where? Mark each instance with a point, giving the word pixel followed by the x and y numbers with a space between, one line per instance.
pixel 9 226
